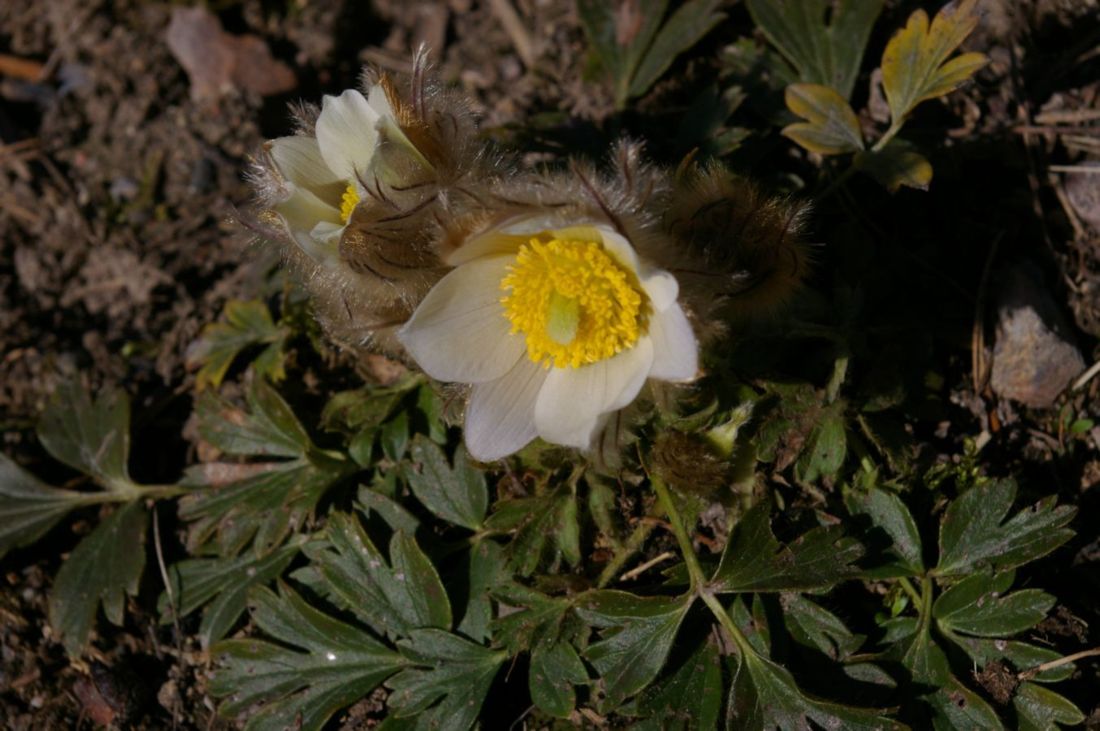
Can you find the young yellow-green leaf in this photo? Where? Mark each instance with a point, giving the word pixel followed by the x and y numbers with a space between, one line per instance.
pixel 453 673
pixel 276 687
pixel 821 53
pixel 915 66
pixel 764 696
pixel 246 324
pixel 457 495
pixel 895 165
pixel 103 568
pixel 1039 709
pixel 889 515
pixel 638 635
pixel 974 535
pixel 555 669
pixel 90 436
pixel 831 127
pixel 393 596
pixel 979 605
pixel 222 586
pixel 755 561
pixel 29 507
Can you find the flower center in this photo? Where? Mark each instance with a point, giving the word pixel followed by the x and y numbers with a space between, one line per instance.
pixel 574 303
pixel 348 202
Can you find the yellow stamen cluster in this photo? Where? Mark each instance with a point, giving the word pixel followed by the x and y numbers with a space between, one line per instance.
pixel 348 202
pixel 574 303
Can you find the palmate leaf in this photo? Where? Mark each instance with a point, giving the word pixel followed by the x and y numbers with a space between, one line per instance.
pixel 764 696
pixel 955 706
pixel 91 436
pixel 974 535
pixel 546 529
pixel 555 669
pixel 222 585
pixel 980 605
pixel 277 687
pixel 393 597
pixel 103 569
pixel 1019 655
pixel 895 165
pixel 821 54
pixel 915 66
pixel 28 506
pixel 632 46
pixel 888 514
pixel 457 495
pixel 452 673
pixel 261 502
pixel 831 127
pixel 690 697
pixel 639 632
pixel 247 324
pixel 1040 709
pixel 755 561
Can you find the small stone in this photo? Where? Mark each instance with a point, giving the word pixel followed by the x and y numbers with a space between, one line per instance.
pixel 1034 358
pixel 1083 192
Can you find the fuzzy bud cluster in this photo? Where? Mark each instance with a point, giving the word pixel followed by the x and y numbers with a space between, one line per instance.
pixel 555 296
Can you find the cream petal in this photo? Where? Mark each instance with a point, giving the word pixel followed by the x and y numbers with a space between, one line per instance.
pixel 299 161
pixel 500 415
pixel 675 350
pixel 572 401
pixel 617 245
pixel 501 239
pixel 302 212
pixel 459 332
pixel 328 233
pixel 662 288
pixel 347 134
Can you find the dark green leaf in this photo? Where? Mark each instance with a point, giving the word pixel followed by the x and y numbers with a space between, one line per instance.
pixel 90 436
pixel 546 529
pixel 246 324
pixel 822 54
pixel 685 27
pixel 764 696
pixel 635 645
pixel 888 513
pixel 690 697
pixel 539 621
pixel 618 36
pixel 812 626
pixel 755 561
pixel 456 495
pixel 103 568
pixel 281 688
pixel 826 448
pixel 222 585
pixel 268 428
pixel 392 512
pixel 1020 655
pixel 974 535
pixel 925 659
pixel 1039 709
pixel 393 596
pixel 28 507
pixel 898 163
pixel 430 406
pixel 555 669
pixel 978 605
pixel 455 672
pixel 394 436
pixel 954 706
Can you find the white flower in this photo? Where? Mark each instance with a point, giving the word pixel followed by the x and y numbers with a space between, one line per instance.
pixel 326 175
pixel 555 328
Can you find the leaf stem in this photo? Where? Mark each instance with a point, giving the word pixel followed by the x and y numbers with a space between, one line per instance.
pixel 664 498
pixel 911 590
pixel 625 552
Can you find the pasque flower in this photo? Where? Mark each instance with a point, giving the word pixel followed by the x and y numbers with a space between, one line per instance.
pixel 556 328
pixel 326 176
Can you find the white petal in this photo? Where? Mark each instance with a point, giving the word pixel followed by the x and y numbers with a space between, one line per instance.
pixel 328 233
pixel 662 288
pixel 303 212
pixel 504 238
pixel 675 350
pixel 379 102
pixel 299 161
pixel 617 245
pixel 346 134
pixel 571 403
pixel 500 416
pixel 459 332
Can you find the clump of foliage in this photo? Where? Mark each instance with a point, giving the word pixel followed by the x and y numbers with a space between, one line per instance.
pixel 333 552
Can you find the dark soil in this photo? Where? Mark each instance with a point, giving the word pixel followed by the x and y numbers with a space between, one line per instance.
pixel 119 191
